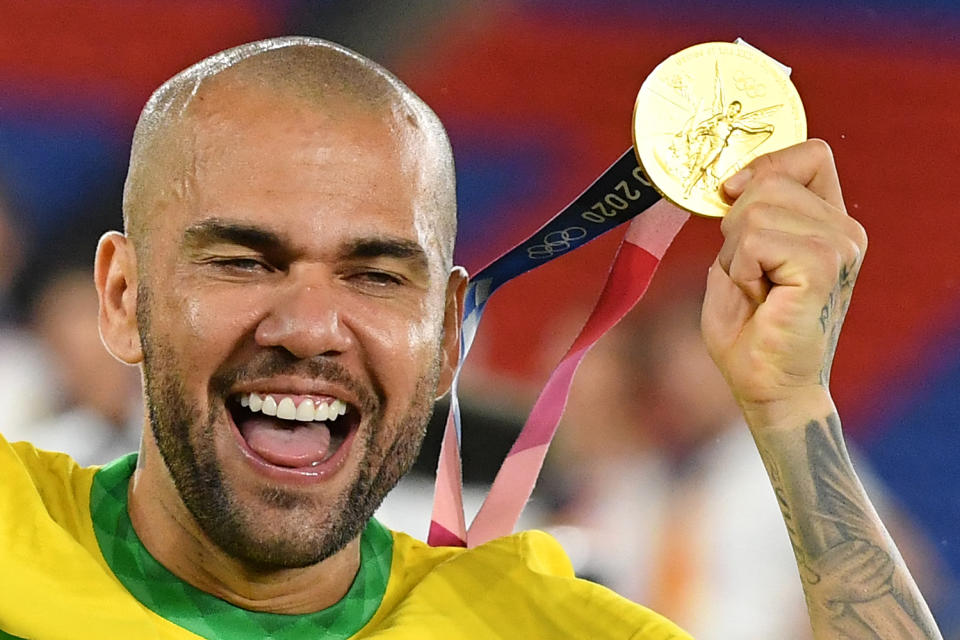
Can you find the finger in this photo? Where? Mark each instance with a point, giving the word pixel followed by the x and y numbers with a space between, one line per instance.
pixel 725 308
pixel 811 260
pixel 746 271
pixel 784 193
pixel 760 215
pixel 744 267
pixel 809 163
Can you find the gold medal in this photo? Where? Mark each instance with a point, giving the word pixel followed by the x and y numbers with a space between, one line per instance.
pixel 706 112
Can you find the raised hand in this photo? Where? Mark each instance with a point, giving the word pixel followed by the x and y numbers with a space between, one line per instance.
pixel 779 288
pixel 776 298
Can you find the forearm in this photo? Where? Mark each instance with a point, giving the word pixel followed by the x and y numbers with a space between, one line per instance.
pixel 855 582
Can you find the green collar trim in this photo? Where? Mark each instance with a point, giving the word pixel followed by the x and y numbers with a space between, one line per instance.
pixel 208 616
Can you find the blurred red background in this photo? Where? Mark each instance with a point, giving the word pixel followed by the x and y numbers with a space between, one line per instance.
pixel 537 97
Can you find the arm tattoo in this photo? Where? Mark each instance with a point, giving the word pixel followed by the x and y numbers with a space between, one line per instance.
pixel 833 313
pixel 854 579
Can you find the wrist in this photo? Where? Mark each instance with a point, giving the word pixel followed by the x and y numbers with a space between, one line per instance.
pixel 793 410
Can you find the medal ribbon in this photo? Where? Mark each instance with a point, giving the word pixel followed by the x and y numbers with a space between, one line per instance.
pixel 620 194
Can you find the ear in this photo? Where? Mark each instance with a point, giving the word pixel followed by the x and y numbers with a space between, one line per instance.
pixel 452 319
pixel 115 274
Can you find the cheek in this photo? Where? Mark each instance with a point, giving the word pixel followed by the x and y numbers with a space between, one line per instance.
pixel 427 332
pixel 206 324
pixel 221 318
pixel 404 349
pixel 424 336
pixel 403 340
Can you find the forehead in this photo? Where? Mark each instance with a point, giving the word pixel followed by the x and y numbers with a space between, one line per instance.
pixel 283 160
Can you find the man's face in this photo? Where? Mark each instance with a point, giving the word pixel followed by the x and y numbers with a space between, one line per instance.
pixel 290 272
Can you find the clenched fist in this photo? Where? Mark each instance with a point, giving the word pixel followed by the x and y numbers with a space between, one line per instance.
pixel 779 288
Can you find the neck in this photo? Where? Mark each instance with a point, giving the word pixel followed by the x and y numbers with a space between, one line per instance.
pixel 171 535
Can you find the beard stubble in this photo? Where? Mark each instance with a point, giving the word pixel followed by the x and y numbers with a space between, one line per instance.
pixel 304 534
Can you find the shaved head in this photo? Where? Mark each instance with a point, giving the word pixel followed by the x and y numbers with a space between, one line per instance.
pixel 290 218
pixel 326 77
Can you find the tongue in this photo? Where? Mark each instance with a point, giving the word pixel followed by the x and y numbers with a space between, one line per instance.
pixel 287 444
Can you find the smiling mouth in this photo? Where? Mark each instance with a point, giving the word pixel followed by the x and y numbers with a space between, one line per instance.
pixel 293 431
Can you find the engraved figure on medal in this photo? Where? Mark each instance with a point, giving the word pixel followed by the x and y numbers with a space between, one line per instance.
pixel 712 137
pixel 708 149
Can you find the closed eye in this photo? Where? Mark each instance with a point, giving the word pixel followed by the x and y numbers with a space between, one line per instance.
pixel 241 265
pixel 379 278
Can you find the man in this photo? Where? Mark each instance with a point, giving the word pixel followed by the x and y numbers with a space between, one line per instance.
pixel 286 284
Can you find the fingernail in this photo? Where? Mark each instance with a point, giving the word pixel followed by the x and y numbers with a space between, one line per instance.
pixel 735 184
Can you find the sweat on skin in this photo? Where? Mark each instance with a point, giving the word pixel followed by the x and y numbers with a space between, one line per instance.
pixel 293 248
pixel 322 272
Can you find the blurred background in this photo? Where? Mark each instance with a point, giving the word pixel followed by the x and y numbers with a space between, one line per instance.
pixel 537 98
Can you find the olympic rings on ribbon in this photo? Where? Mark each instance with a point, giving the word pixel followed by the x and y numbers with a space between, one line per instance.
pixel 556 242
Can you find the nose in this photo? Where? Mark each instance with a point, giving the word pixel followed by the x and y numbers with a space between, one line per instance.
pixel 306 319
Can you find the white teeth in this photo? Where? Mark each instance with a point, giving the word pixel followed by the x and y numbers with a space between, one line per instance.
pixel 305 411
pixel 286 410
pixel 323 412
pixel 269 406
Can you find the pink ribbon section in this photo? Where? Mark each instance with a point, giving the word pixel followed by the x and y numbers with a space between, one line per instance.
pixel 647 239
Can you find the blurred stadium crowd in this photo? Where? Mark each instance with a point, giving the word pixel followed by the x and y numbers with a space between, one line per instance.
pixel 653 486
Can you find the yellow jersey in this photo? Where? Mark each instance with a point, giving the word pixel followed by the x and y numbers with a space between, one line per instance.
pixel 73 568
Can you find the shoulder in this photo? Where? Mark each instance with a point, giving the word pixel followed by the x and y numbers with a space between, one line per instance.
pixel 45 490
pixel 520 585
pixel 53 478
pixel 48 549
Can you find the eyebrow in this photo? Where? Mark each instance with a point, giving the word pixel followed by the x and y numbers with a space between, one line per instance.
pixel 386 247
pixel 214 230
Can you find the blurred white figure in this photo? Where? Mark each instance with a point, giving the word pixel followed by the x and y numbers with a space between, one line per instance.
pixel 27 391
pixel 102 415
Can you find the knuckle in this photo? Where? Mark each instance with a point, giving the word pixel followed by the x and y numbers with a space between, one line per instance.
pixel 819 147
pixel 858 234
pixel 743 216
pixel 765 170
pixel 750 243
pixel 762 164
pixel 753 214
pixel 768 180
pixel 728 222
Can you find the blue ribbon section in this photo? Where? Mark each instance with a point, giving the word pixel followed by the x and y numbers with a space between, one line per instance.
pixel 617 196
